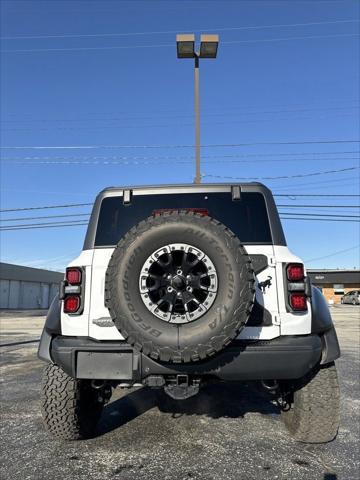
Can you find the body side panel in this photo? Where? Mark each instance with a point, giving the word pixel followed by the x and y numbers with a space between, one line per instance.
pixel 292 323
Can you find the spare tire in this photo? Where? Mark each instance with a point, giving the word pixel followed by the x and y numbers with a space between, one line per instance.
pixel 179 286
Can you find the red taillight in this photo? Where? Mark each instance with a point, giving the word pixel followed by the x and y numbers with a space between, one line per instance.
pixel 295 272
pixel 298 301
pixel 71 304
pixel 201 211
pixel 73 276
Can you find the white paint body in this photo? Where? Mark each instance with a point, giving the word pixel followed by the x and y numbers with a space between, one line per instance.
pixel 96 262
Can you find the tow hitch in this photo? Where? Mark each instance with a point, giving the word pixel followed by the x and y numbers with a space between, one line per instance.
pixel 181 387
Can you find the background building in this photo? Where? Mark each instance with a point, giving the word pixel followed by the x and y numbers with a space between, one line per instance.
pixel 27 288
pixel 334 283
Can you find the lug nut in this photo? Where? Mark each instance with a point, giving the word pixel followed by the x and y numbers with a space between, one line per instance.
pixel 169 289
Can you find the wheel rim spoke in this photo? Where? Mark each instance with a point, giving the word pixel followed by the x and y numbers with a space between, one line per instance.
pixel 187 266
pixel 167 266
pixel 169 298
pixel 178 283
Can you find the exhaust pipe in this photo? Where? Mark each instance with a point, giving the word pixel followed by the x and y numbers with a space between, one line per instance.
pixel 270 385
pixel 97 384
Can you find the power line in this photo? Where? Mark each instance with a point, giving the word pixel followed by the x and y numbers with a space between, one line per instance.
pixel 182 157
pixel 319 215
pixel 288 195
pixel 265 40
pixel 162 115
pixel 232 107
pixel 334 182
pixel 110 163
pixel 68 222
pixel 45 216
pixel 45 207
pixel 167 32
pixel 283 213
pixel 136 125
pixel 167 45
pixel 89 147
pixel 300 175
pixel 318 206
pixel 48 226
pixel 323 210
pixel 60 225
pixel 333 254
pixel 319 219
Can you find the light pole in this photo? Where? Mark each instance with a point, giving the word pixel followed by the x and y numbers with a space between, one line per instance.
pixel 186 49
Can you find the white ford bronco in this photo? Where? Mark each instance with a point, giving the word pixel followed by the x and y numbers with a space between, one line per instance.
pixel 182 285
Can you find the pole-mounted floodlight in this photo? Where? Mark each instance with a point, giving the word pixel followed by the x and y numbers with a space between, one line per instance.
pixel 185 45
pixel 208 46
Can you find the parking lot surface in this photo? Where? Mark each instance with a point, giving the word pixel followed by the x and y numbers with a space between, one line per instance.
pixel 226 432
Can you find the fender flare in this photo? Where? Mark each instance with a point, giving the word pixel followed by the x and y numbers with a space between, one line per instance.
pixel 52 327
pixel 322 324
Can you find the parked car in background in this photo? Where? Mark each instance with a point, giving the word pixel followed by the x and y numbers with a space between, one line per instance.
pixel 352 297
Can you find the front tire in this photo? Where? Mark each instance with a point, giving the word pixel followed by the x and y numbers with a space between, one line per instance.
pixel 70 407
pixel 313 410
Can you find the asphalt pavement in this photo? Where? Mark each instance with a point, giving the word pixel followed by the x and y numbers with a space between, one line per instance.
pixel 226 432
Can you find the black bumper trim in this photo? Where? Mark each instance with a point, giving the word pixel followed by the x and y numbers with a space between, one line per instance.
pixel 286 357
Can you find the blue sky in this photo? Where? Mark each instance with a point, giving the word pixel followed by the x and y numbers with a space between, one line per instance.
pixel 105 74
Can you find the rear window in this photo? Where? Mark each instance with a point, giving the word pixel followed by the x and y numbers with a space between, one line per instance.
pixel 247 217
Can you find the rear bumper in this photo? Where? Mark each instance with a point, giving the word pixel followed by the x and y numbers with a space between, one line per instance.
pixel 286 357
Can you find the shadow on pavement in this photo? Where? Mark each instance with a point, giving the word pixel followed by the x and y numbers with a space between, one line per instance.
pixel 214 401
pixel 24 342
pixel 22 313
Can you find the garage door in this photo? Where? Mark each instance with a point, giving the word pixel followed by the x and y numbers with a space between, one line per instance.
pixel 31 295
pixel 4 293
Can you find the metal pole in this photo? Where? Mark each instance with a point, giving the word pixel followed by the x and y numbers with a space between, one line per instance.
pixel 197 178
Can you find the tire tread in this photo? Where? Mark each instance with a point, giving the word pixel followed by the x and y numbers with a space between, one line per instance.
pixel 66 415
pixel 314 414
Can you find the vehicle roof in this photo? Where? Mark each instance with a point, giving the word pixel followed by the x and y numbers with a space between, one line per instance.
pixel 186 185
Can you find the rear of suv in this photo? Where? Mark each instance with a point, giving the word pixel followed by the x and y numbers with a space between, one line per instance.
pixel 182 285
